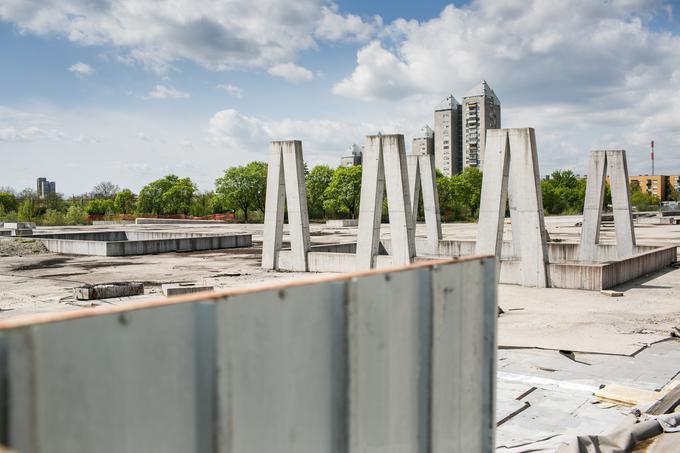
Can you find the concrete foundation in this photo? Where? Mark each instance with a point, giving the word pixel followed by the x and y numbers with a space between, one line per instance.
pixel 564 268
pixel 124 243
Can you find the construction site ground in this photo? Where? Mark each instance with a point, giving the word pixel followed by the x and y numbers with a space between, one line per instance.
pixel 557 347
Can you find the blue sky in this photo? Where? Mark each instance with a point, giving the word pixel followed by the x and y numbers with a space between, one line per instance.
pixel 130 90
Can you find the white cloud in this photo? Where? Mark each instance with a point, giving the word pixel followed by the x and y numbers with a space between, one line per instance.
pixel 167 92
pixel 291 72
pixel 584 74
pixel 81 69
pixel 220 34
pixel 232 90
pixel 322 140
pixel 334 26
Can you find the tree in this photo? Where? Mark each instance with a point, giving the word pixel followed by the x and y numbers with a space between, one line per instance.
pixel 203 204
pixel 124 202
pixel 343 193
pixel 563 192
pixel 317 181
pixel 243 187
pixel 168 195
pixel 28 210
pixel 105 189
pixel 99 207
pixel 52 217
pixel 642 200
pixel 75 215
pixel 8 202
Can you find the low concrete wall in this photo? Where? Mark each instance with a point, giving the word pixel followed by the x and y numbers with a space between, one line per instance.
pixel 151 221
pixel 375 361
pixel 150 246
pixel 74 247
pixel 121 247
pixel 623 270
pixel 103 236
pixel 339 223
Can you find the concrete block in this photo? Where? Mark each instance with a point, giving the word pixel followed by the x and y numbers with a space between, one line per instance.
pixel 175 289
pixel 108 291
pixel 611 293
pixel 286 183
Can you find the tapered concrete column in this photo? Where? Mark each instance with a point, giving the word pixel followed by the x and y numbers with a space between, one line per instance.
pixel 494 194
pixel 613 163
pixel 286 182
pixel 422 177
pixel 511 169
pixel 384 167
pixel 592 206
pixel 413 185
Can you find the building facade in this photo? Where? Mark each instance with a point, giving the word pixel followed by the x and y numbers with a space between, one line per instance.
pixel 45 187
pixel 448 136
pixel 423 144
pixel 352 157
pixel 663 186
pixel 481 111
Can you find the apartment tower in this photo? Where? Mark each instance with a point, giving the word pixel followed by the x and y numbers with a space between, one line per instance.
pixel 481 111
pixel 448 136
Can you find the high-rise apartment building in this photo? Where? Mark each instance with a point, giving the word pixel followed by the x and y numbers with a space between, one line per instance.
pixel 352 157
pixel 481 111
pixel 448 136
pixel 423 144
pixel 45 187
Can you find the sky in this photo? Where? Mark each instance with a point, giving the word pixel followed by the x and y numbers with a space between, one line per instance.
pixel 132 90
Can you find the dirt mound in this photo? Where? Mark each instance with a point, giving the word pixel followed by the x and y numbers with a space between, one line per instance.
pixel 21 247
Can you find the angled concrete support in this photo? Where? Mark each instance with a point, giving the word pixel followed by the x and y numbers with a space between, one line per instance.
pixel 384 167
pixel 511 171
pixel 422 177
pixel 603 163
pixel 286 182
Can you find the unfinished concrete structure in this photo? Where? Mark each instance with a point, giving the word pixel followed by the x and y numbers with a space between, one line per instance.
pixel 286 182
pixel 384 170
pixel 602 163
pixel 389 361
pixel 384 167
pixel 136 242
pixel 422 179
pixel 511 174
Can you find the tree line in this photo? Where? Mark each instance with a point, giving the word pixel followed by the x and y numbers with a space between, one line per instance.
pixel 331 193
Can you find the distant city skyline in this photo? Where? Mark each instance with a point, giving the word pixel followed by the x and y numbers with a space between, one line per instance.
pixel 130 94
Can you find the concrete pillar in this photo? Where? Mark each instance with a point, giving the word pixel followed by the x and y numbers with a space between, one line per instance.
pixel 413 185
pixel 286 182
pixel 426 181
pixel 592 206
pixel 384 167
pixel 511 169
pixel 613 163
